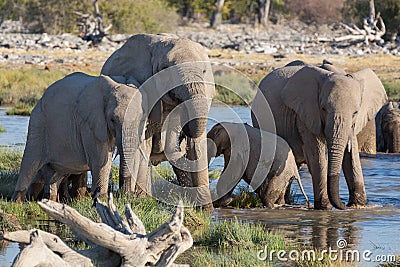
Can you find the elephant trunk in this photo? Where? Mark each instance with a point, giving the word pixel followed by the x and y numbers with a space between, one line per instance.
pixel 125 158
pixel 395 147
pixel 196 116
pixel 337 139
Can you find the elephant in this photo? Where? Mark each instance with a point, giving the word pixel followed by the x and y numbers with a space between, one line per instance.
pixel 59 191
pixel 366 139
pixel 177 72
pixel 316 110
pixel 75 127
pixel 388 128
pixel 250 152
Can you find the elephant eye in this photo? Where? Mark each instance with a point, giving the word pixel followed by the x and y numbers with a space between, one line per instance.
pixel 355 113
pixel 204 71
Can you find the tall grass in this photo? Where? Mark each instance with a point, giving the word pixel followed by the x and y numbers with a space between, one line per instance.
pixel 392 90
pixel 10 159
pixel 24 86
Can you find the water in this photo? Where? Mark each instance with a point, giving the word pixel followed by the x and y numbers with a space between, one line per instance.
pixel 375 228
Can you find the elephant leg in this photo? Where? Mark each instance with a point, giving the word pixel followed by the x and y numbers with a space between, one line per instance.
pixel 197 150
pixel 100 177
pixel 276 190
pixel 51 186
pixel 36 187
pixel 63 194
pixel 79 185
pixel 354 178
pixel 184 178
pixel 314 150
pixel 287 198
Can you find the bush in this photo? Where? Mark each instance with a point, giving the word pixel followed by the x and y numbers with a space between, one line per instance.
pixel 55 17
pixel 316 11
pixel 150 16
pixel 356 10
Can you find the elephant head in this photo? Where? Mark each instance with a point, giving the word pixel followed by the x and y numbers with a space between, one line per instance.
pixel 219 141
pixel 338 107
pixel 116 113
pixel 182 72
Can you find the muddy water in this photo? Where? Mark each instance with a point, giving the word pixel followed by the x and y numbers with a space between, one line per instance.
pixel 375 228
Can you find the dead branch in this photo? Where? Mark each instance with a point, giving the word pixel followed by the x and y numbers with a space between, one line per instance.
pixel 91 25
pixel 370 32
pixel 117 241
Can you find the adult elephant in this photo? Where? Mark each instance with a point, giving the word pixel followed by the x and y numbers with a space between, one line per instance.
pixel 315 109
pixel 179 73
pixel 74 128
pixel 366 139
pixel 388 128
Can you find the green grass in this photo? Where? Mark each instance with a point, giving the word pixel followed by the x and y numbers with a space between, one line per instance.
pixel 233 88
pixel 25 84
pixel 8 180
pixel 226 242
pixel 10 159
pixel 392 90
pixel 20 109
pixel 245 199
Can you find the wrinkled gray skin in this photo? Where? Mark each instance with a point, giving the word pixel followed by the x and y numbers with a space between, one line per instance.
pixel 366 139
pixel 279 168
pixel 388 128
pixel 74 128
pixel 145 55
pixel 315 110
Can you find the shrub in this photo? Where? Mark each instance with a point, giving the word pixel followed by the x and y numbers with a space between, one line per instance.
pixel 127 16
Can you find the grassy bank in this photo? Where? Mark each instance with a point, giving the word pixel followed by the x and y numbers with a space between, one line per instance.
pixel 216 243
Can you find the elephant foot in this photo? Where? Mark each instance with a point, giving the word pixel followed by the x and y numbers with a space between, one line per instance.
pixel 208 208
pixel 223 201
pixel 324 204
pixel 19 196
pixel 358 201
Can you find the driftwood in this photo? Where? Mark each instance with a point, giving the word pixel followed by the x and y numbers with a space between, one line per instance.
pixel 91 26
pixel 370 32
pixel 116 242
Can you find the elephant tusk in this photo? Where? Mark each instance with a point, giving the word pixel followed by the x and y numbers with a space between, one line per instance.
pixel 349 145
pixel 116 153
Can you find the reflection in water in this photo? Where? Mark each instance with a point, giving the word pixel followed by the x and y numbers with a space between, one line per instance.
pixel 374 228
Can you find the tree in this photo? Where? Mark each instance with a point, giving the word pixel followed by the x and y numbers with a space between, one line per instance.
pixel 263 12
pixel 216 17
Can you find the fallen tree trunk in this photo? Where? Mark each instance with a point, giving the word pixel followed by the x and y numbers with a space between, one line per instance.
pixel 117 242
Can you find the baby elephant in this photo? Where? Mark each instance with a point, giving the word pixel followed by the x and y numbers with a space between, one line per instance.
pixel 262 159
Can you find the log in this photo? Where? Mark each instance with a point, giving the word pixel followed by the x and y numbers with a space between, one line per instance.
pixel 91 25
pixel 370 31
pixel 116 241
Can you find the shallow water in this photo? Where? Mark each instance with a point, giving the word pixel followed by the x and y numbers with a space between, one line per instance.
pixel 375 228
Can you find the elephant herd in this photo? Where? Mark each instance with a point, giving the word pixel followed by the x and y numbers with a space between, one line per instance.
pixel 151 103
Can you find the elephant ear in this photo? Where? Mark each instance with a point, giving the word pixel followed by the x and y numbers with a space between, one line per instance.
pixel 301 94
pixel 91 106
pixel 159 54
pixel 372 99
